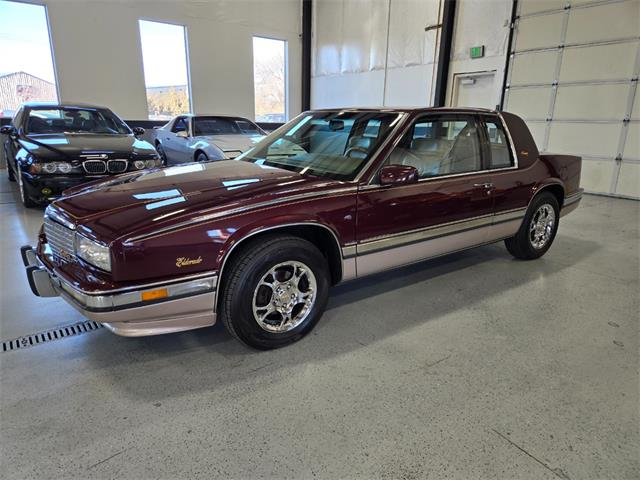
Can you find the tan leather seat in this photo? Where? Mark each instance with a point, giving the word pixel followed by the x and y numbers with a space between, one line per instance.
pixel 359 146
pixel 464 155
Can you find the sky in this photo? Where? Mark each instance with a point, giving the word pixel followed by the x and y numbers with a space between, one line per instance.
pixel 163 54
pixel 24 37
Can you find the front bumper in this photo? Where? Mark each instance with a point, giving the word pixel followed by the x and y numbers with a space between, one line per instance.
pixel 53 185
pixel 189 302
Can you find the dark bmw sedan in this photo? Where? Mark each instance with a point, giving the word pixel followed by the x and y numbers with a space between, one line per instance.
pixel 50 148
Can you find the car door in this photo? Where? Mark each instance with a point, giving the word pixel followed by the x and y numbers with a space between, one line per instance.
pixel 448 209
pixel 174 144
pixel 511 189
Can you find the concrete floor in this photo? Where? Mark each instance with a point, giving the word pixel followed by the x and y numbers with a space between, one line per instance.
pixel 470 366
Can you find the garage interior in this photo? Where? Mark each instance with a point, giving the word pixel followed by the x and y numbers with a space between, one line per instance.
pixel 473 365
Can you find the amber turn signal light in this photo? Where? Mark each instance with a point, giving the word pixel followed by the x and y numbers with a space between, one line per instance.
pixel 154 294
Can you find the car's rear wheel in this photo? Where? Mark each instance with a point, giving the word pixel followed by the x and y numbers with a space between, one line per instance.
pixel 538 229
pixel 24 194
pixel 276 291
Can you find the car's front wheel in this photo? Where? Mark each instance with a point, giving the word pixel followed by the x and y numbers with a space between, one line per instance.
pixel 538 229
pixel 276 291
pixel 162 153
pixel 202 157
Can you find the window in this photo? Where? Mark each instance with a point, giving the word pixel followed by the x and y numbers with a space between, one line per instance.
pixel 442 146
pixel 74 120
pixel 270 79
pixel 500 157
pixel 332 145
pixel 223 126
pixel 166 70
pixel 26 61
pixel 180 125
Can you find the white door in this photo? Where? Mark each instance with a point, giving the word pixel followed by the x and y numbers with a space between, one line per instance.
pixel 474 89
pixel 581 98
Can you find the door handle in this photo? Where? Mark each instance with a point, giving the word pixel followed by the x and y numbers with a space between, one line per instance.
pixel 483 185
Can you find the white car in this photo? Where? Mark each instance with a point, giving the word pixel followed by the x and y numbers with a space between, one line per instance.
pixel 204 138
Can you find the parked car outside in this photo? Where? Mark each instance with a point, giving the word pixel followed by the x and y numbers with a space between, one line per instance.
pixel 331 196
pixel 204 138
pixel 51 147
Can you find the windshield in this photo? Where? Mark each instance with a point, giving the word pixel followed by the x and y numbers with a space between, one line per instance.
pixel 333 145
pixel 74 120
pixel 224 126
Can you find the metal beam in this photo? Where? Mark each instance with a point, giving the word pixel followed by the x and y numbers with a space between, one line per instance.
pixel 512 27
pixel 307 12
pixel 444 53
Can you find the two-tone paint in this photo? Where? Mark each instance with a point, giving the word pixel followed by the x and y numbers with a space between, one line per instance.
pixel 207 211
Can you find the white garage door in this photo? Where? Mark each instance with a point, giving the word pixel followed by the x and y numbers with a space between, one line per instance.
pixel 573 76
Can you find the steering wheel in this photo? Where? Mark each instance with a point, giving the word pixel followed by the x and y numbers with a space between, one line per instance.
pixel 356 149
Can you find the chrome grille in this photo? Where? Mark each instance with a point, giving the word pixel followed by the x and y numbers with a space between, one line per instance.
pixel 95 166
pixel 117 166
pixel 61 239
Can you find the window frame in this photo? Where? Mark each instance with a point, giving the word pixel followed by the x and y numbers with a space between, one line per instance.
pixel 187 53
pixel 484 119
pixel 52 53
pixel 433 117
pixel 374 180
pixel 178 119
pixel 285 41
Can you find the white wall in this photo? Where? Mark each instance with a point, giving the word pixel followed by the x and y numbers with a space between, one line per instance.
pixel 373 52
pixel 477 23
pixel 98 58
pixel 351 65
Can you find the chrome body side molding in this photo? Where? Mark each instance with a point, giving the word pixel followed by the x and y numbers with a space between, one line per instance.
pixel 445 229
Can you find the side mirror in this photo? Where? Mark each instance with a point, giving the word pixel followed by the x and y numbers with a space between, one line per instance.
pixel 398 175
pixel 182 134
pixel 137 131
pixel 8 130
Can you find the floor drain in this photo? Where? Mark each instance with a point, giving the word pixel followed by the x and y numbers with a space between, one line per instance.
pixel 50 335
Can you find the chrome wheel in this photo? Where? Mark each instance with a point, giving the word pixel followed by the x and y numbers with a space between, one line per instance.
pixel 284 297
pixel 542 225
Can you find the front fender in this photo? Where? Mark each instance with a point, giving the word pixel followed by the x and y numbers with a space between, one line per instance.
pixel 272 224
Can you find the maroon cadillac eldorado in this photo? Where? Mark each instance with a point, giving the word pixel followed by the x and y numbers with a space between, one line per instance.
pixel 331 196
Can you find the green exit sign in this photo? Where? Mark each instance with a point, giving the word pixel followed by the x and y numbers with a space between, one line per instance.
pixel 477 52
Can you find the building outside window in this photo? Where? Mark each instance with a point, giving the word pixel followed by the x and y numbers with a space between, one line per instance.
pixel 166 69
pixel 26 62
pixel 270 79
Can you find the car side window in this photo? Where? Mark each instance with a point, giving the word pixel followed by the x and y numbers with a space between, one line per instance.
pixel 440 146
pixel 180 125
pixel 498 145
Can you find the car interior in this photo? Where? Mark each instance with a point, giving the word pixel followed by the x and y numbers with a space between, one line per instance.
pixel 439 147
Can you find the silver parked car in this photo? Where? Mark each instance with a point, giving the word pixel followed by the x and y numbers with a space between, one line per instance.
pixel 204 138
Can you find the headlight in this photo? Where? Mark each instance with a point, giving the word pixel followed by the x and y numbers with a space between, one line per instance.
pixel 52 167
pixel 93 252
pixel 152 163
pixel 139 164
pixel 49 167
pixel 64 167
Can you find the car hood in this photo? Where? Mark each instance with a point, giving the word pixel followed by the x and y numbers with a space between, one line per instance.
pixel 137 203
pixel 233 143
pixel 72 146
